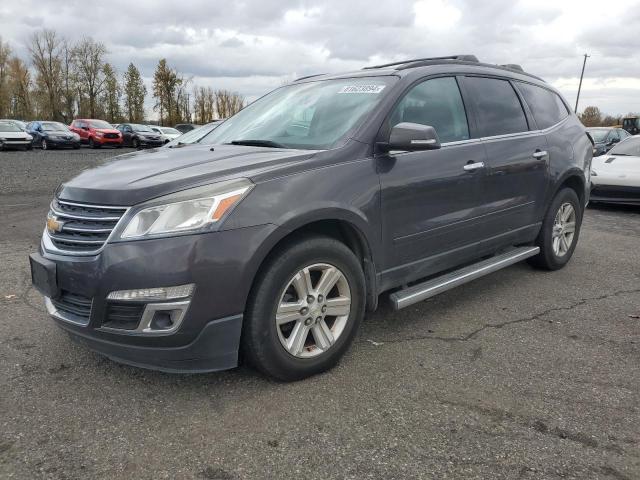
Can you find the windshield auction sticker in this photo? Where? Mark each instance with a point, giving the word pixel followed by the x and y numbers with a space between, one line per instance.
pixel 362 89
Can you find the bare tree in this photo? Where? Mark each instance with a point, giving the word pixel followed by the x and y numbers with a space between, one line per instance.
pixel 134 94
pixel 19 87
pixel 89 61
pixel 45 50
pixel 5 53
pixel 204 104
pixel 111 95
pixel 228 103
pixel 165 87
pixel 591 117
pixel 68 82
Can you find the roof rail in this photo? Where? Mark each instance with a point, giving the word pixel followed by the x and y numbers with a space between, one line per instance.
pixel 309 76
pixel 460 58
pixel 513 66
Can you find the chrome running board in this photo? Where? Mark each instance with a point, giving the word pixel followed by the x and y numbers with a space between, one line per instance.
pixel 431 288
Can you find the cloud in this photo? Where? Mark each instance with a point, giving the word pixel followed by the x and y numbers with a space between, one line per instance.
pixel 252 46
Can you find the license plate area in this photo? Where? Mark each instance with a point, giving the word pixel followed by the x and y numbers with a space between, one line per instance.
pixel 43 275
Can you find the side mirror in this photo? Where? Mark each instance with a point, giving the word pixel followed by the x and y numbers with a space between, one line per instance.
pixel 410 137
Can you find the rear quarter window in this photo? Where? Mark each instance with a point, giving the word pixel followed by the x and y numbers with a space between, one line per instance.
pixel 546 106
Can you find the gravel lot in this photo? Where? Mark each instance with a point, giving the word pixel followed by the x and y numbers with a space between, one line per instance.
pixel 522 374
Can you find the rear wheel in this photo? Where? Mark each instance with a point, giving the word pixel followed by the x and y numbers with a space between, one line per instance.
pixel 560 231
pixel 304 310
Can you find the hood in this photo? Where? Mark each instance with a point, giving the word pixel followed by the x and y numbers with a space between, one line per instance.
pixel 14 135
pixel 616 170
pixel 106 130
pixel 136 177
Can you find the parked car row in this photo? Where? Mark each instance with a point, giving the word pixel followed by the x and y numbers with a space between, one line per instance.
pixel 96 133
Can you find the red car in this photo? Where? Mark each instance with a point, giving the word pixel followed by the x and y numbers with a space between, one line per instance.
pixel 96 133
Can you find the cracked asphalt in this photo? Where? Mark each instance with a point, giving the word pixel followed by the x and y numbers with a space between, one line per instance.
pixel 521 375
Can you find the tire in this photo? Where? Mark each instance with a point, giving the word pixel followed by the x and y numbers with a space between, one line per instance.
pixel 264 342
pixel 554 252
pixel 44 145
pixel 76 146
pixel 29 147
pixel 93 144
pixel 135 143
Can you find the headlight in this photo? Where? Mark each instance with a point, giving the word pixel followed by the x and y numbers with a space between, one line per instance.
pixel 76 136
pixel 195 213
pixel 29 137
pixel 99 134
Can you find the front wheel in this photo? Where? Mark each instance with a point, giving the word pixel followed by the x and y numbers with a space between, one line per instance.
pixel 93 144
pixel 560 230
pixel 44 145
pixel 304 310
pixel 135 143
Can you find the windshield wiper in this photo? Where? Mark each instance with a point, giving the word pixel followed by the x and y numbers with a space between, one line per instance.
pixel 258 143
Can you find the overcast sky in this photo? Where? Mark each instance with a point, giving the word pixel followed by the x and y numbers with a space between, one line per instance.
pixel 253 46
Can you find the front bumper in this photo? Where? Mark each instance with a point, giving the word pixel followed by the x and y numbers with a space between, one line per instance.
pixel 61 142
pixel 151 143
pixel 617 194
pixel 15 143
pixel 222 266
pixel 108 141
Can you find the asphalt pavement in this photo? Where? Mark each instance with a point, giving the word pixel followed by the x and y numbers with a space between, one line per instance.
pixel 523 374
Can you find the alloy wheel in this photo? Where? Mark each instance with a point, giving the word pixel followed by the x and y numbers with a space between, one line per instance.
pixel 564 228
pixel 44 144
pixel 313 310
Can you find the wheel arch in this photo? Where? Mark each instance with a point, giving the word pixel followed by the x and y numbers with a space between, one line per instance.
pixel 574 179
pixel 342 225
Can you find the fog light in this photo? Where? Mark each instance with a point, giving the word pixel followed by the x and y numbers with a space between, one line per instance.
pixel 158 293
pixel 161 321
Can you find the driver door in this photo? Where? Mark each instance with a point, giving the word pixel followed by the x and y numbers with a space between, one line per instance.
pixel 431 199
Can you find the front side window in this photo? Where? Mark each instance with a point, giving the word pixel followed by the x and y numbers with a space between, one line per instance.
pixel 437 103
pixel 497 106
pixel 314 115
pixel 546 106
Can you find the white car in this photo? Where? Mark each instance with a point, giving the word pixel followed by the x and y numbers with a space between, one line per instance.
pixel 11 136
pixel 615 177
pixel 167 133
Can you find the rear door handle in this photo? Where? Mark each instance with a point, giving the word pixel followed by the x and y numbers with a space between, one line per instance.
pixel 473 166
pixel 540 154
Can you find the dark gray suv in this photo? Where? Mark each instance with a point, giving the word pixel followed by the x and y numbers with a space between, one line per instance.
pixel 269 239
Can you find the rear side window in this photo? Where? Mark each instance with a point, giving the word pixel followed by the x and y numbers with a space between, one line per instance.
pixel 546 106
pixel 437 103
pixel 497 105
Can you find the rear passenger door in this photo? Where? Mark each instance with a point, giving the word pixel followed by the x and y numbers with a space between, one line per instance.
pixel 516 173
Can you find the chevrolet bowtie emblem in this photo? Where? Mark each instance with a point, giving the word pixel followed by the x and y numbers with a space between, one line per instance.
pixel 54 225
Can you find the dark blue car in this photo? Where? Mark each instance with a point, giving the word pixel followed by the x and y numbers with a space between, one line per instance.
pixel 48 135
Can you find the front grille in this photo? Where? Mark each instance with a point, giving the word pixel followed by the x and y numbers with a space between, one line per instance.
pixel 111 135
pixel 74 304
pixel 123 316
pixel 85 228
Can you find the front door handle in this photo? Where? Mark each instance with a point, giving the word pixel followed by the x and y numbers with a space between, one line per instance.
pixel 473 166
pixel 540 154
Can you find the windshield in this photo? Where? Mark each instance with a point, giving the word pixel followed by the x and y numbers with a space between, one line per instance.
pixel 170 131
pixel 141 128
pixel 315 115
pixel 630 146
pixel 9 127
pixel 598 135
pixel 53 127
pixel 99 124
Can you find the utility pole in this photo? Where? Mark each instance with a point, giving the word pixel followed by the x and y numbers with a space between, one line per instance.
pixel 584 64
